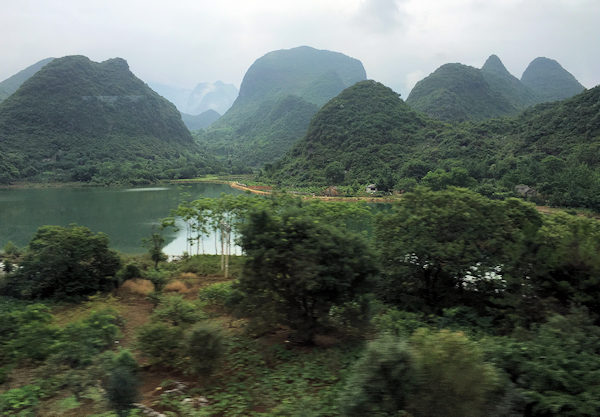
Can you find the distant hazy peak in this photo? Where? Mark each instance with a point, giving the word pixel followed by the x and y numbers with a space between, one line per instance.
pixel 494 65
pixel 298 70
pixel 12 84
pixel 547 78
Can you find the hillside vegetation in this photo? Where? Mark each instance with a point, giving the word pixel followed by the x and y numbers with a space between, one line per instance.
pixel 507 85
pixel 77 120
pixel 279 94
pixel 456 92
pixel 367 134
pixel 446 304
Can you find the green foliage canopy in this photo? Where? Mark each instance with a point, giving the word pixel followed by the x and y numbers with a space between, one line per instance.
pixel 451 246
pixel 299 267
pixel 64 262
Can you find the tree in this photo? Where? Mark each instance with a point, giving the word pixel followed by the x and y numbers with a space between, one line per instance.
pixel 65 262
pixel 440 179
pixel 567 264
pixel 298 267
pixel 450 246
pixel 155 244
pixel 334 173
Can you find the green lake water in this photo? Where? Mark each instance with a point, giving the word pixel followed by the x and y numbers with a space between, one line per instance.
pixel 126 215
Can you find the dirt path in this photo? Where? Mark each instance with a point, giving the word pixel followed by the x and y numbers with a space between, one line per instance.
pixel 136 312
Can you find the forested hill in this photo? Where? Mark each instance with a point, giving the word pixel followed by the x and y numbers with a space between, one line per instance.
pixel 507 85
pixel 359 135
pixel 457 93
pixel 11 84
pixel 77 120
pixel 279 94
pixel 550 81
pixel 368 135
pixel 309 73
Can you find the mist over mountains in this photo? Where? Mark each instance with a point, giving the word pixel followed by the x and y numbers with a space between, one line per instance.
pixel 279 94
pixel 217 96
pixel 77 120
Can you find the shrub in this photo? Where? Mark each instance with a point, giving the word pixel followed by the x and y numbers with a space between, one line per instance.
pixel 216 294
pixel 437 373
pixel 81 341
pixel 130 271
pixel 138 286
pixel 122 385
pixel 160 343
pixel 12 402
pixel 27 333
pixel 177 311
pixel 158 278
pixel 204 347
pixel 454 380
pixel 177 286
pixel 381 381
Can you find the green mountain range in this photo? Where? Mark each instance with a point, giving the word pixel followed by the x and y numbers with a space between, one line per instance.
pixel 367 134
pixel 456 92
pixel 12 84
pixel 77 120
pixel 507 85
pixel 279 94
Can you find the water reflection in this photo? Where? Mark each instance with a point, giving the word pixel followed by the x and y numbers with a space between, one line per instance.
pixel 126 215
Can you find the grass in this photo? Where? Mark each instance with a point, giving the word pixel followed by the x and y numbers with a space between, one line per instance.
pixel 138 286
pixel 64 314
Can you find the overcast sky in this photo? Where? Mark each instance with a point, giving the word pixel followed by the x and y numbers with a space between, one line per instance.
pixel 184 42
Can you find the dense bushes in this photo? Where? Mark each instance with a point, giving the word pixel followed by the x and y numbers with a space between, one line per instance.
pixel 435 373
pixel 175 338
pixel 481 307
pixel 68 358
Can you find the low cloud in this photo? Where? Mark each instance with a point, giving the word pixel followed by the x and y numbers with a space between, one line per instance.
pixel 381 16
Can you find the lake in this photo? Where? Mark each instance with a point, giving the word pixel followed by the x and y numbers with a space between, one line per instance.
pixel 126 215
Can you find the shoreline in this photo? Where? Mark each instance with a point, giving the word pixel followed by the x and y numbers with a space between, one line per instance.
pixel 243 187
